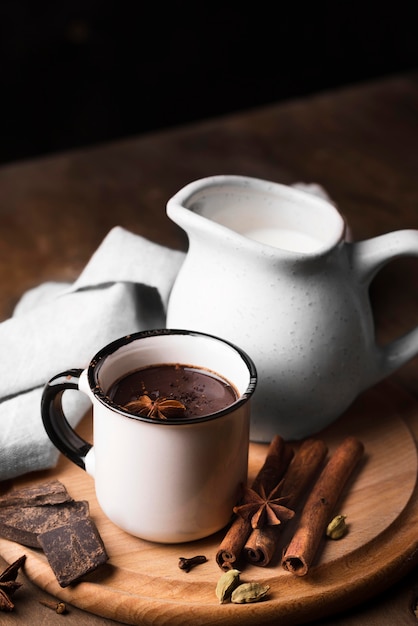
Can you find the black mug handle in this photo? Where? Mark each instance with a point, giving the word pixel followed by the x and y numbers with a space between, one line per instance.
pixel 60 432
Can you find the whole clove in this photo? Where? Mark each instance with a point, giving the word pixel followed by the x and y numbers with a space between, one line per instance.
pixel 187 564
pixel 58 607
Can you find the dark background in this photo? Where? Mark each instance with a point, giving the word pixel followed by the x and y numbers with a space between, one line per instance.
pixel 76 73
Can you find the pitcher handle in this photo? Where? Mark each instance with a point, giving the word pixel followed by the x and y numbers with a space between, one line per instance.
pixel 58 429
pixel 368 257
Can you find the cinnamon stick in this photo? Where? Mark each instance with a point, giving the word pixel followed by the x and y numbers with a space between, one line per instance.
pixel 262 542
pixel 278 457
pixel 319 506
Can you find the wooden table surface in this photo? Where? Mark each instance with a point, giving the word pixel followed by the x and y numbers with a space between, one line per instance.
pixel 360 143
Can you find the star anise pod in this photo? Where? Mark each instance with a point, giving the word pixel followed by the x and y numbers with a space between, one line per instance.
pixel 162 408
pixel 263 510
pixel 8 584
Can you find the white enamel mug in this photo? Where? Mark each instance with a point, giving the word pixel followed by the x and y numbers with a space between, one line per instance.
pixel 172 480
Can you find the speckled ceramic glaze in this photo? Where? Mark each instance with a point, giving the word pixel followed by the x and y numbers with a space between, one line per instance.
pixel 170 480
pixel 269 267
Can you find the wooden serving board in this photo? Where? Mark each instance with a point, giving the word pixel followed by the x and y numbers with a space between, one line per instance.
pixel 143 585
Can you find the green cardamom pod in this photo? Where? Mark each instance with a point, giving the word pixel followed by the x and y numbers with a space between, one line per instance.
pixel 337 527
pixel 249 592
pixel 226 585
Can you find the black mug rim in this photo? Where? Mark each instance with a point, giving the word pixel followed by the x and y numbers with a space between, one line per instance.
pixel 97 361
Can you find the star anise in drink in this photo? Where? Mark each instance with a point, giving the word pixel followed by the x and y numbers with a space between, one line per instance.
pixel 8 584
pixel 263 510
pixel 163 408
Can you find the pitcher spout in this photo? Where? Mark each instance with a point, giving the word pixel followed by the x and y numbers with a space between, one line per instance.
pixel 269 213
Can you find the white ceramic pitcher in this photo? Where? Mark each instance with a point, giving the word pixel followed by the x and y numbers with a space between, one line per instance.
pixel 269 268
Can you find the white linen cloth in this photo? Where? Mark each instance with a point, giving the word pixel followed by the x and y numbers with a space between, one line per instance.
pixel 124 288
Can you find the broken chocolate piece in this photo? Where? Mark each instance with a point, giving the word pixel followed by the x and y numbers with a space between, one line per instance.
pixel 46 516
pixel 25 524
pixel 52 492
pixel 73 550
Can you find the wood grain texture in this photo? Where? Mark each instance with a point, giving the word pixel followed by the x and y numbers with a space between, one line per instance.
pixel 142 584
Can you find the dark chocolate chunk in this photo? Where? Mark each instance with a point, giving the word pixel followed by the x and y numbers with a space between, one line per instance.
pixel 73 550
pixel 45 516
pixel 25 524
pixel 52 492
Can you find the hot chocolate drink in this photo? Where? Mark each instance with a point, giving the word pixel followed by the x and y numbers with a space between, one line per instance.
pixel 173 390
